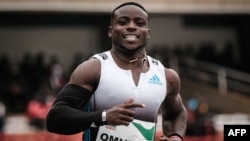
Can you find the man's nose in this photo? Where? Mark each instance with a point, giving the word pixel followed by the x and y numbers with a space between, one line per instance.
pixel 131 26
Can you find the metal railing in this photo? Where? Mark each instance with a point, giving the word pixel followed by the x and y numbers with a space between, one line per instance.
pixel 223 78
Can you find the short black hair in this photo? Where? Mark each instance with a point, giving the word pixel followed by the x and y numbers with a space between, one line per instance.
pixel 124 4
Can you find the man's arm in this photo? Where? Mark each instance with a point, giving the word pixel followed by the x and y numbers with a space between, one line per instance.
pixel 174 115
pixel 66 115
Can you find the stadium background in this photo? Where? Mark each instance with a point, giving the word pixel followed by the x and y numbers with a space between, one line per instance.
pixel 207 42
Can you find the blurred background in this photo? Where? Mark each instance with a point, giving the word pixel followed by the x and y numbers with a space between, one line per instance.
pixel 41 42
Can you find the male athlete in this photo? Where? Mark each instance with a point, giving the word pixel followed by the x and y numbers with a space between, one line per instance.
pixel 117 94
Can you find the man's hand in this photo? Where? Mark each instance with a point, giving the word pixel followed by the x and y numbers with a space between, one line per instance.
pixel 123 114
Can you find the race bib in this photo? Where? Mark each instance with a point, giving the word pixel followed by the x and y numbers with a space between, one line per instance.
pixel 136 131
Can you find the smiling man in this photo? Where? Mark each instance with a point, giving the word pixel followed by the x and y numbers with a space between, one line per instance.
pixel 117 94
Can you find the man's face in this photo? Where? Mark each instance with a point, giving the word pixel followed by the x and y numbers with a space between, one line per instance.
pixel 129 28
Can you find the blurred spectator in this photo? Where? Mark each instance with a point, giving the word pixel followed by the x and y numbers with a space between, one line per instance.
pixel 199 120
pixel 17 92
pixel 52 82
pixel 57 76
pixel 39 106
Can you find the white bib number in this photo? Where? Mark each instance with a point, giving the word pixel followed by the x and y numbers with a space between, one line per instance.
pixel 136 131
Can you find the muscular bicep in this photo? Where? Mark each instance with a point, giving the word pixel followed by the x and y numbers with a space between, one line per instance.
pixel 172 103
pixel 173 111
pixel 87 74
pixel 173 82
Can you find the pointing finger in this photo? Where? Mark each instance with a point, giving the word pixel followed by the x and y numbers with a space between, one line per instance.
pixel 134 105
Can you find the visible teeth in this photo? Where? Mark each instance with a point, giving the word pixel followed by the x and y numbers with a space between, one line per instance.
pixel 130 37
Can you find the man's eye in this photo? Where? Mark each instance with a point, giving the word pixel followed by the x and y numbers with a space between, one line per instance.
pixel 140 23
pixel 123 22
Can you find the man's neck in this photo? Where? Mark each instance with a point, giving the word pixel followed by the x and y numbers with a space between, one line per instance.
pixel 130 57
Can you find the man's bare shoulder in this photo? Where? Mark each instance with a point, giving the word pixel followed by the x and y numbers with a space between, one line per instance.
pixel 87 73
pixel 92 64
pixel 171 74
pixel 173 80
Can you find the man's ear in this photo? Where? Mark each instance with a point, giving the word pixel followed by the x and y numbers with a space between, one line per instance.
pixel 148 37
pixel 110 31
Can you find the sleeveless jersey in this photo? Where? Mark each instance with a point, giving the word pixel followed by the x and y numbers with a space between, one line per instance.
pixel 116 86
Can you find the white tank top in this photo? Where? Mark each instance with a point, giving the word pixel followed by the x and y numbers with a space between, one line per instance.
pixel 116 86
